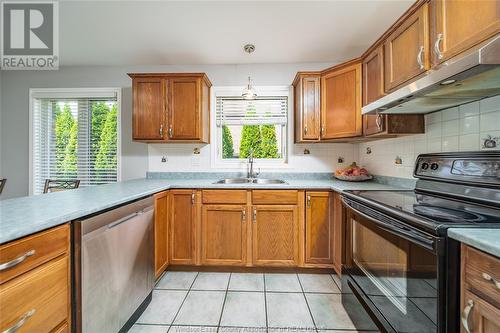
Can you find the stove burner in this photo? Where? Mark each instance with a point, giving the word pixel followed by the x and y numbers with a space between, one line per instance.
pixel 446 214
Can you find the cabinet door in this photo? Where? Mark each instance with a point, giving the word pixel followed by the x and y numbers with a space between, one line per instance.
pixel 373 75
pixel 319 233
pixel 406 50
pixel 478 315
pixel 307 97
pixel 148 115
pixel 182 227
pixel 341 102
pixel 223 234
pixel 275 235
pixel 458 25
pixel 161 232
pixel 184 108
pixel 338 232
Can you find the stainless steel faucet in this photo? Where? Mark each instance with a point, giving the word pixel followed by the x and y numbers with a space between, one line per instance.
pixel 250 172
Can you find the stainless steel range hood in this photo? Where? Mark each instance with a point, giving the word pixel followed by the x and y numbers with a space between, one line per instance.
pixel 463 79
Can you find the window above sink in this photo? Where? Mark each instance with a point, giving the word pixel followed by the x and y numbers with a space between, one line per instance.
pixel 239 125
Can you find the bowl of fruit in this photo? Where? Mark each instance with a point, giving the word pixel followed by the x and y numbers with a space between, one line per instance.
pixel 353 173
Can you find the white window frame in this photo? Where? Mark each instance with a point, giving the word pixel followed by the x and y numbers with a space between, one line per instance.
pixel 75 93
pixel 217 162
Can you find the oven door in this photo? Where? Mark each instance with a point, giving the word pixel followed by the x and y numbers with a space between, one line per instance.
pixel 392 269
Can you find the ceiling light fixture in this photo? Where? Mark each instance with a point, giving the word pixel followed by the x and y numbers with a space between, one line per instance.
pixel 249 92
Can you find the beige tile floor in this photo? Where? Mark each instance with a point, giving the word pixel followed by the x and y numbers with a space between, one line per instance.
pixel 248 302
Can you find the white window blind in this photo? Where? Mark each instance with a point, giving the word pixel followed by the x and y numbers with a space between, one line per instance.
pixel 261 111
pixel 74 138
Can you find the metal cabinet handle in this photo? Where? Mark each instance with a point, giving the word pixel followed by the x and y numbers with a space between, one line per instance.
pixel 322 131
pixel 243 215
pixel 20 322
pixel 305 130
pixel 466 314
pixel 254 215
pixel 16 261
pixel 437 49
pixel 308 201
pixel 491 279
pixel 419 57
pixel 170 131
pixel 192 198
pixel 378 121
pixel 161 130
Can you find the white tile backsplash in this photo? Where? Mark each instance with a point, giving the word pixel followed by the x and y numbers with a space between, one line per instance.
pixel 462 128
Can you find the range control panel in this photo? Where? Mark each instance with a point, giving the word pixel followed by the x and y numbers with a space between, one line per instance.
pixel 470 167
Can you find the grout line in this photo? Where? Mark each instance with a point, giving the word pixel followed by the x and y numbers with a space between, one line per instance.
pixel 185 297
pixel 335 282
pixel 265 301
pixel 224 303
pixel 307 303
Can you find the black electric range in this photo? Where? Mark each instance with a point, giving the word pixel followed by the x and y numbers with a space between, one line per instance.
pixel 399 263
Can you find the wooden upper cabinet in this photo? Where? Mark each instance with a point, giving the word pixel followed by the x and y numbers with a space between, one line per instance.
pixel 373 75
pixel 224 235
pixel 319 229
pixel 390 125
pixel 406 49
pixel 161 232
pixel 171 107
pixel 182 227
pixel 341 101
pixel 275 235
pixel 459 25
pixel 307 106
pixel 148 117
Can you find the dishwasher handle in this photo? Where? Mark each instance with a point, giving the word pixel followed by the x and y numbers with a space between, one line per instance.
pixel 124 219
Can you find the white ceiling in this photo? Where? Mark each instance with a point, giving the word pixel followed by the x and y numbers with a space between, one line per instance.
pixel 214 32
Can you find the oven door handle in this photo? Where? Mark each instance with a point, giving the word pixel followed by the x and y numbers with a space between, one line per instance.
pixel 409 235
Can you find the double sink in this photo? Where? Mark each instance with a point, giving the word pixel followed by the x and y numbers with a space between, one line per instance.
pixel 261 181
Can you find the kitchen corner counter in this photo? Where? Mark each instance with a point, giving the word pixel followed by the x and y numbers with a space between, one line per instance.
pixel 486 240
pixel 20 217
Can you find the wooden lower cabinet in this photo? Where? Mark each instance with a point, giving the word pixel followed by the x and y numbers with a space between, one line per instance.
pixel 182 227
pixel 161 232
pixel 224 235
pixel 37 297
pixel 275 235
pixel 480 296
pixel 338 232
pixel 318 229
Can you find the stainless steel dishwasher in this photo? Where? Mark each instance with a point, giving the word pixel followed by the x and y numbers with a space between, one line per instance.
pixel 114 267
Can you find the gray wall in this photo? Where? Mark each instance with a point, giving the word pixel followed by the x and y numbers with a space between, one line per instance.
pixel 14 107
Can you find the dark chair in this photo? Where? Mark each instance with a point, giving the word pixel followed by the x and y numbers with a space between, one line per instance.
pixel 2 184
pixel 57 185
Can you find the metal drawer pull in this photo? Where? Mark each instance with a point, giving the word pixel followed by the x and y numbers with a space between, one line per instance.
pixel 192 198
pixel 17 261
pixel 254 215
pixel 437 50
pixel 491 279
pixel 20 322
pixel 308 201
pixel 466 314
pixel 243 215
pixel 378 121
pixel 419 57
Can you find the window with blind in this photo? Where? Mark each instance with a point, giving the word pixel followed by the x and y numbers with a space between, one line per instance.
pixel 258 125
pixel 74 136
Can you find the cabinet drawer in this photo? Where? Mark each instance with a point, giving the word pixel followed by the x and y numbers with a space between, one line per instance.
pixel 274 197
pixel 224 197
pixel 42 293
pixel 32 251
pixel 482 273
